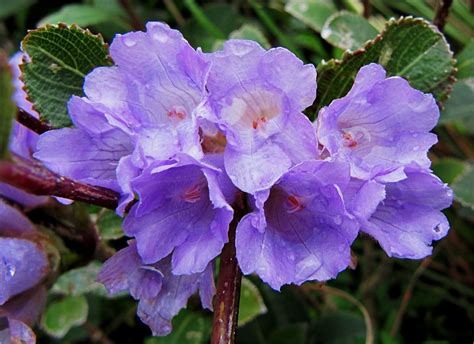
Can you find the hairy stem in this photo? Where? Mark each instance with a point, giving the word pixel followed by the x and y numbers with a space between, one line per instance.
pixel 34 178
pixel 226 302
pixel 442 12
pixel 32 123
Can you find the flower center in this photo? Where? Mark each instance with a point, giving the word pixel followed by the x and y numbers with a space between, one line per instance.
pixel 294 204
pixel 259 122
pixel 349 141
pixel 214 144
pixel 193 194
pixel 177 113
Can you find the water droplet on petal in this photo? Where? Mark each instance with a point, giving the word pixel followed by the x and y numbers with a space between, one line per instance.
pixel 129 41
pixel 337 219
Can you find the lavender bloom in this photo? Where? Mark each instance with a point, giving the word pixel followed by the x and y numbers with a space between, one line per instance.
pixel 142 110
pixel 300 229
pixel 182 211
pixel 162 294
pixel 409 218
pixel 19 313
pixel 256 98
pixel 380 126
pixel 23 263
pixel 22 141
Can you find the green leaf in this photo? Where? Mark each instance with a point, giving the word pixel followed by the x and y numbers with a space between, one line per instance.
pixel 311 12
pixel 61 316
pixel 82 15
pixel 60 57
pixel 252 32
pixel 458 108
pixel 465 63
pixel 251 302
pixel 291 333
pixel 188 328
pixel 80 281
pixel 347 30
pixel 109 225
pixel 7 106
pixel 408 47
pixel 463 187
pixel 448 169
pixel 339 328
pixel 10 7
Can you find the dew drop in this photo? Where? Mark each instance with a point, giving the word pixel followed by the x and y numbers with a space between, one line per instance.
pixel 129 41
pixel 337 220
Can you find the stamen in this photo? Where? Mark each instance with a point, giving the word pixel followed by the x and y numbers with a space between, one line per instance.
pixel 193 194
pixel 177 113
pixel 349 141
pixel 294 204
pixel 259 122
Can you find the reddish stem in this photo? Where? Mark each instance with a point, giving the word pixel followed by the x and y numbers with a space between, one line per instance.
pixel 31 122
pixel 34 178
pixel 226 302
pixel 442 12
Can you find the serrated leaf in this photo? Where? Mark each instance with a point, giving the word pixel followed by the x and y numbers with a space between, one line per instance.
pixel 252 32
pixel 61 316
pixel 408 47
pixel 7 106
pixel 458 108
pixel 465 62
pixel 80 281
pixel 188 328
pixel 463 187
pixel 109 225
pixel 311 12
pixel 79 14
pixel 251 302
pixel 347 30
pixel 59 59
pixel 10 7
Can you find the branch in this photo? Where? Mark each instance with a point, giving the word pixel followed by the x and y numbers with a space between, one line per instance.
pixel 367 8
pixel 226 302
pixel 135 22
pixel 32 123
pixel 442 12
pixel 34 178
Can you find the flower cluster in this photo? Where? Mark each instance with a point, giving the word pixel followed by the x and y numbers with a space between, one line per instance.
pixel 24 265
pixel 191 134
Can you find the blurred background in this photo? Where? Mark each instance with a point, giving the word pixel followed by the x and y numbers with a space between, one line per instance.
pixel 428 301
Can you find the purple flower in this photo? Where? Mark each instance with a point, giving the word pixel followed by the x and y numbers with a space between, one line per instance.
pixel 380 126
pixel 23 262
pixel 409 218
pixel 19 313
pixel 135 113
pixel 182 211
pixel 300 229
pixel 162 294
pixel 22 141
pixel 256 98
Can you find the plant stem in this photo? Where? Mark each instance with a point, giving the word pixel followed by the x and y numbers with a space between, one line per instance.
pixel 442 12
pixel 135 21
pixel 367 8
pixel 226 302
pixel 32 123
pixel 34 178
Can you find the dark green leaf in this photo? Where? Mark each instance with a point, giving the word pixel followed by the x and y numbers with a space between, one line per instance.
pixel 82 15
pixel 463 188
pixel 448 169
pixel 251 302
pixel 7 106
pixel 188 328
pixel 313 13
pixel 339 328
pixel 466 62
pixel 459 107
pixel 347 30
pixel 408 47
pixel 9 7
pixel 61 316
pixel 80 281
pixel 291 333
pixel 60 58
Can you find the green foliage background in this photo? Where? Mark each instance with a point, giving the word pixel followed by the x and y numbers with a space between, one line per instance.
pixel 429 301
